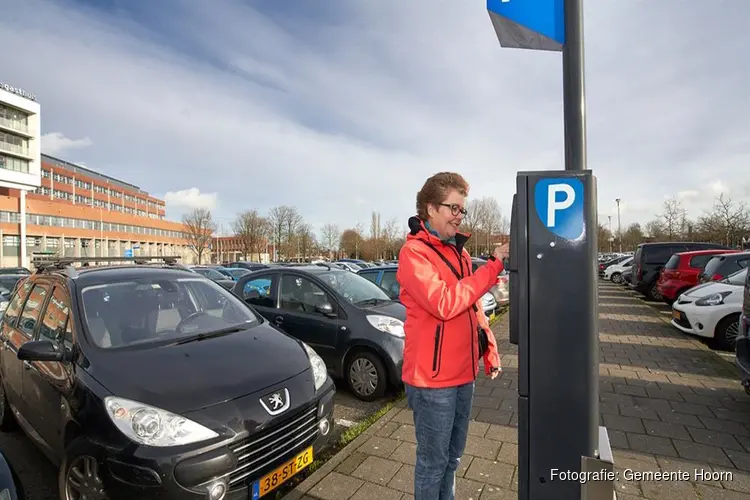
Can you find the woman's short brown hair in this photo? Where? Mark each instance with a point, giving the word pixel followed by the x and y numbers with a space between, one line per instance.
pixel 435 190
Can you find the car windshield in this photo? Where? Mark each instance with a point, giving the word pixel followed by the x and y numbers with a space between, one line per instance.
pixel 154 309
pixel 211 274
pixel 353 287
pixel 712 266
pixel 737 278
pixel 238 272
pixel 8 283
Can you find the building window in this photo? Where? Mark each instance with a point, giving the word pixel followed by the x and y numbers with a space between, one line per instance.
pixel 13 164
pixel 14 119
pixel 11 245
pixel 46 174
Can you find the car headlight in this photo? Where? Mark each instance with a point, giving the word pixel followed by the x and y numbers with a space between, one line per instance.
pixel 714 299
pixel 387 324
pixel 152 426
pixel 320 372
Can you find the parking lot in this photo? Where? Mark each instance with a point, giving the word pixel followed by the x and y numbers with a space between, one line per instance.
pixel 39 477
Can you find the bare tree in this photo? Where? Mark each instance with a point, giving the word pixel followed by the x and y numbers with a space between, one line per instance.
pixel 376 234
pixel 306 240
pixel 672 216
pixel 731 219
pixel 359 231
pixel 491 220
pixel 331 237
pixel 252 229
pixel 472 222
pixel 391 233
pixel 199 229
pixel 285 221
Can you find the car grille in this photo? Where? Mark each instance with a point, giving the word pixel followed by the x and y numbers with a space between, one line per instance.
pixel 268 448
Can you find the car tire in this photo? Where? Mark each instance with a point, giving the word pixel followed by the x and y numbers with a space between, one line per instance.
pixel 616 278
pixel 361 369
pixel 76 453
pixel 653 294
pixel 726 332
pixel 7 419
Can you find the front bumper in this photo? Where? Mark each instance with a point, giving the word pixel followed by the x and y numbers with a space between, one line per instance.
pixel 697 320
pixel 164 474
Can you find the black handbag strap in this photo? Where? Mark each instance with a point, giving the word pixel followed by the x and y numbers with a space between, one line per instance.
pixel 449 264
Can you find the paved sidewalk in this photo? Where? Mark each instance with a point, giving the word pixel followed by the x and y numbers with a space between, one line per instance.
pixel 669 403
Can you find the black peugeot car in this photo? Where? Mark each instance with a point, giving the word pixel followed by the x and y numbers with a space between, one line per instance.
pixel 148 381
pixel 352 323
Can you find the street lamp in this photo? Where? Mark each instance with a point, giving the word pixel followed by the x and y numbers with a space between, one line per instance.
pixel 619 225
pixel 609 217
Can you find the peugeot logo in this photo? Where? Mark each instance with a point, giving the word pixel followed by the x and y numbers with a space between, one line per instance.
pixel 276 402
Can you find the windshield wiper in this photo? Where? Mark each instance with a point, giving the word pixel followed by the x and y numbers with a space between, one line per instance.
pixel 372 302
pixel 211 334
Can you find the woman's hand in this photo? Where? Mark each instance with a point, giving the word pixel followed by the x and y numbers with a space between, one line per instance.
pixel 501 252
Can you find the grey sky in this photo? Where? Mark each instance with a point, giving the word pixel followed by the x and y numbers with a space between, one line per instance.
pixel 348 109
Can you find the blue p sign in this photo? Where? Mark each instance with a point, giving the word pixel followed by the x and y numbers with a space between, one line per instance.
pixel 559 205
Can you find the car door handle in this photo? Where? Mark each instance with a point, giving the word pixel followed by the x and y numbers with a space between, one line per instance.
pixel 278 320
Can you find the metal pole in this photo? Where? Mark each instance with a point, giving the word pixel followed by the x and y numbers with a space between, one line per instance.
pixel 611 236
pixel 619 225
pixel 574 94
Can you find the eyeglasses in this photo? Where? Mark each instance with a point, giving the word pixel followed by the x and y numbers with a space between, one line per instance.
pixel 455 209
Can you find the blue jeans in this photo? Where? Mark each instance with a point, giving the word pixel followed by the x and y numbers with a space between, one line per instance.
pixel 441 420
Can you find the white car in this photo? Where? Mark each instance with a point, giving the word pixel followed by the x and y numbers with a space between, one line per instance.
pixel 614 273
pixel 712 310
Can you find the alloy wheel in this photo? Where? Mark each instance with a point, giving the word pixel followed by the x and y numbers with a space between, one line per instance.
pixel 83 481
pixel 733 330
pixel 363 376
pixel 617 278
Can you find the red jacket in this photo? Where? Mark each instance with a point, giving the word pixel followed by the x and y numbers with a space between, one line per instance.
pixel 441 346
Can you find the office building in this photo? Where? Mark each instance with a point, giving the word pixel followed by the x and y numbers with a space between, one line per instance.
pixel 20 151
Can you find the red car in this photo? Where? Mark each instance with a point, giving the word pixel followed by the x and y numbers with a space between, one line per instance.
pixel 681 272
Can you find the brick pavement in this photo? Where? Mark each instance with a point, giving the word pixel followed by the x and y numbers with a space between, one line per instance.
pixel 669 403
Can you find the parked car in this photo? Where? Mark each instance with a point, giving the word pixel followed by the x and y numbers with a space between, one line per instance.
pixel 742 346
pixel 214 276
pixel 681 271
pixel 385 278
pixel 649 259
pixel 150 381
pixel 721 266
pixel 250 266
pixel 349 266
pixel 627 276
pixel 614 272
pixel 8 283
pixel 353 324
pixel 712 310
pixel 606 264
pixel 15 270
pixel 11 487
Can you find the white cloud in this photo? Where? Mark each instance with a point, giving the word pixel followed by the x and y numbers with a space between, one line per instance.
pixel 55 143
pixel 188 199
pixel 319 106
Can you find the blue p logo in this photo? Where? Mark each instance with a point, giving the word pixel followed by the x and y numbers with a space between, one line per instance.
pixel 559 205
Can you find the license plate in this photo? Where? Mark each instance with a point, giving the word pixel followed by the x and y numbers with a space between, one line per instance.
pixel 676 314
pixel 282 474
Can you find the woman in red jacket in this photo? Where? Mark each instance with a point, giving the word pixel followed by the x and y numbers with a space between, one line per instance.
pixel 446 330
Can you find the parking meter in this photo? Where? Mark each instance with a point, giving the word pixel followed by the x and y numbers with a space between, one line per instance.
pixel 554 322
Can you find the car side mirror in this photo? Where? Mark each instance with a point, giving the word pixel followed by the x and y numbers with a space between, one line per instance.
pixel 43 350
pixel 325 308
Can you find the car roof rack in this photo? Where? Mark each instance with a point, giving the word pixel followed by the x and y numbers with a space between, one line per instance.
pixel 45 263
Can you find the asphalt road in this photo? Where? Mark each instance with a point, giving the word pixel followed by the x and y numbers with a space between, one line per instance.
pixel 39 477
